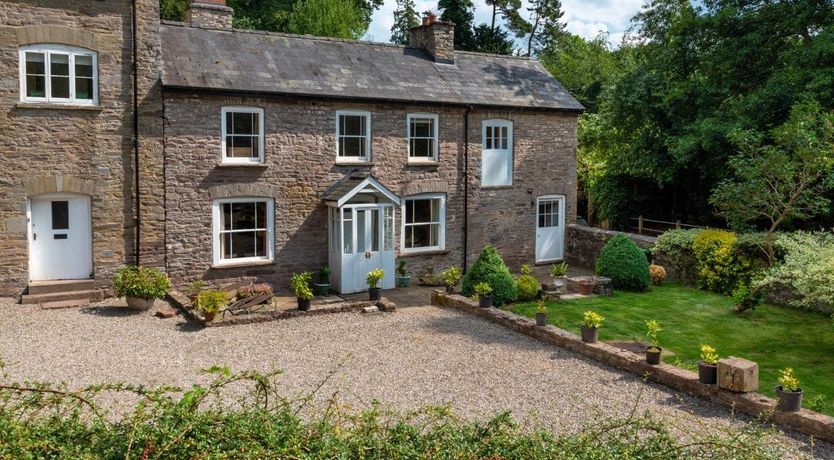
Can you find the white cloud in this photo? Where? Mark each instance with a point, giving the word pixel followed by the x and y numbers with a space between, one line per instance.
pixel 586 18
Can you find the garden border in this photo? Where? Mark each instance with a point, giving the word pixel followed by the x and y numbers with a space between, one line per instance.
pixel 805 421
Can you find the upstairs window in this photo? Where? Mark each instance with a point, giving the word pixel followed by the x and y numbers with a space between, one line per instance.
pixel 422 137
pixel 243 134
pixel 58 74
pixel 353 136
pixel 497 153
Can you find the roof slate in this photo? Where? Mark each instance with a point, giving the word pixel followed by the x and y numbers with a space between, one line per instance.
pixel 260 62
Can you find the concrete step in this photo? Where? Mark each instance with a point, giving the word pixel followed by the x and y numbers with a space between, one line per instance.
pixel 51 287
pixel 93 295
pixel 65 304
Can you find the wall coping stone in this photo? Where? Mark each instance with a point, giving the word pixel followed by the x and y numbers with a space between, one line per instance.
pixel 647 240
pixel 757 405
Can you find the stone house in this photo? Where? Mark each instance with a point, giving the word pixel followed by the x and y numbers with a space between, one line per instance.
pixel 252 155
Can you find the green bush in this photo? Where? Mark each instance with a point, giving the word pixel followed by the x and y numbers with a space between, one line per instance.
pixel 721 268
pixel 490 268
pixel 211 301
pixel 528 285
pixel 141 282
pixel 625 263
pixel 807 269
pixel 673 249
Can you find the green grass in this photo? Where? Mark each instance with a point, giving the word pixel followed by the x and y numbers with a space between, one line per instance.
pixel 774 337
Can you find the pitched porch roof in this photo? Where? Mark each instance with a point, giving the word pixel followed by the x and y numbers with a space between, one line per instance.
pixel 353 183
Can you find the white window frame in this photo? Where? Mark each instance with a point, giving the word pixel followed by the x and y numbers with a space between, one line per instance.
pixel 48 50
pixel 367 136
pixel 223 133
pixel 217 217
pixel 441 233
pixel 436 135
pixel 497 123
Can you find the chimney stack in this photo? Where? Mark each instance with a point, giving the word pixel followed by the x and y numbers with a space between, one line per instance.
pixel 436 37
pixel 209 14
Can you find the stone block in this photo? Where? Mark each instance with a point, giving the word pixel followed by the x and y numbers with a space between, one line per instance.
pixel 738 374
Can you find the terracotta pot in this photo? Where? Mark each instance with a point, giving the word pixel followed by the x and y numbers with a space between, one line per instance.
pixel 541 319
pixel 303 304
pixel 590 334
pixel 653 355
pixel 586 288
pixel 707 373
pixel 375 293
pixel 208 316
pixel 138 303
pixel 788 401
pixel 485 301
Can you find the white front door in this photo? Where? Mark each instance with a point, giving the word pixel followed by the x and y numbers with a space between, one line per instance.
pixel 550 229
pixel 60 237
pixel 368 245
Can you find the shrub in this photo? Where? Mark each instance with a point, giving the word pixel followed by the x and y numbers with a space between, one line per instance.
pixel 141 282
pixel 401 271
pixel 720 268
pixel 559 270
pixel 451 276
pixel 807 269
pixel 652 328
pixel 674 248
pixel 709 355
pixel 625 263
pixel 788 380
pixel 324 274
pixel 592 319
pixel 658 274
pixel 528 285
pixel 483 289
pixel 374 277
pixel 489 268
pixel 211 301
pixel 300 284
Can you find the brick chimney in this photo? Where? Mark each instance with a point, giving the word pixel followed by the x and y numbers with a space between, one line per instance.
pixel 209 14
pixel 436 37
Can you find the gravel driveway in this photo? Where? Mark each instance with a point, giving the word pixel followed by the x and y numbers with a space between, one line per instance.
pixel 414 357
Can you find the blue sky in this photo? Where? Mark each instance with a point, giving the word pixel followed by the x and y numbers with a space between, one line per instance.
pixel 583 17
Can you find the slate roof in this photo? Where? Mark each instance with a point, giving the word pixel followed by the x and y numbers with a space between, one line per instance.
pixel 260 62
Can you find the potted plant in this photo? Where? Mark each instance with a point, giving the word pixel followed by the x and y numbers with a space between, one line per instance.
pixel 559 272
pixel 300 284
pixel 484 292
pixel 323 286
pixel 541 314
pixel 451 277
pixel 708 366
pixel 402 276
pixel 653 351
pixel 373 279
pixel 140 285
pixel 788 393
pixel 194 289
pixel 210 302
pixel 591 323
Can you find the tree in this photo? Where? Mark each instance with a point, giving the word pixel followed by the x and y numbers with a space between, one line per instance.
pixel 545 25
pixel 783 179
pixel 405 18
pixel 493 41
pixel 461 13
pixel 327 18
pixel 508 10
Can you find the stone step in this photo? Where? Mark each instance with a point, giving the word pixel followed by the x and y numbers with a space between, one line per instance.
pixel 51 287
pixel 93 295
pixel 65 304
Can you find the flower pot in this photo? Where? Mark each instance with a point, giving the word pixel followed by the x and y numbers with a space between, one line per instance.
pixel 586 288
pixel 375 293
pixel 138 303
pixel 402 281
pixel 303 304
pixel 590 334
pixel 208 316
pixel 321 288
pixel 707 373
pixel 541 319
pixel 485 301
pixel 559 283
pixel 450 289
pixel 788 401
pixel 653 355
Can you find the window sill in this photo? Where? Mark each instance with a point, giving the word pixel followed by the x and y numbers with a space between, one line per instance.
pixel 241 165
pixel 496 187
pixel 354 163
pixel 423 163
pixel 243 263
pixel 48 106
pixel 427 252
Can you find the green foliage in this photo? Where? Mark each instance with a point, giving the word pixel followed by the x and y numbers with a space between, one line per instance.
pixel 489 268
pixel 451 276
pixel 141 282
pixel 788 380
pixel 720 268
pixel 483 289
pixel 541 307
pixel 625 263
pixel 324 274
pixel 819 403
pixel 528 287
pixel 545 26
pixel 195 287
pixel 327 18
pixel 493 40
pixel 374 277
pixel 807 269
pixel 709 355
pixel 652 328
pixel 462 13
pixel 675 249
pixel 558 270
pixel 592 319
pixel 211 301
pixel 300 284
pixel 405 18
pixel 401 271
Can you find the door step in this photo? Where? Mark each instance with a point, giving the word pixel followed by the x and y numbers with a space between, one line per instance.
pixel 90 295
pixel 52 287
pixel 65 304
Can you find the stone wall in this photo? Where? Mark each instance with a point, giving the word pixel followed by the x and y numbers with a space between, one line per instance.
pixel 300 165
pixel 94 144
pixel 583 244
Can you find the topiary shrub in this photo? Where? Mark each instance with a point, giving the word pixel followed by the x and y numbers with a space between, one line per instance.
pixel 490 268
pixel 625 263
pixel 528 285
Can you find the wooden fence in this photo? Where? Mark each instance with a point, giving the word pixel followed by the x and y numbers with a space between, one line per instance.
pixel 655 227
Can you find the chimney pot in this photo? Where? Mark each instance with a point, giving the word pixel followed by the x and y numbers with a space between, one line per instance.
pixel 209 14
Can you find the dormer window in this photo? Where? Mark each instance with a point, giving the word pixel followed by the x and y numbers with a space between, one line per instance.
pixel 58 74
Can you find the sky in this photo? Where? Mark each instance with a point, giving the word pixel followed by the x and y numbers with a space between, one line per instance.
pixel 586 18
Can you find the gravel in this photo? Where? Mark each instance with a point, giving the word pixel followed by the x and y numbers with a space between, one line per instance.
pixel 415 357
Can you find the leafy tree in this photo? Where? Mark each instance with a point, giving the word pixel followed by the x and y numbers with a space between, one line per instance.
pixel 460 12
pixel 782 179
pixel 508 10
pixel 327 18
pixel 545 25
pixel 493 41
pixel 405 18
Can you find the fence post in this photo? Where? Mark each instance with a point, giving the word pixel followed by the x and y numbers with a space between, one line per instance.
pixel 640 225
pixel 677 224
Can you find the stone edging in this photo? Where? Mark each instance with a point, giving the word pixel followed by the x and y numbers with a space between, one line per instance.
pixel 805 421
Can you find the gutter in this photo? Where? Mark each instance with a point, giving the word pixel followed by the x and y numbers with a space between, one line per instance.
pixel 136 133
pixel 466 187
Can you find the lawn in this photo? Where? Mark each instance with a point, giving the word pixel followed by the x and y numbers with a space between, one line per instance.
pixel 774 337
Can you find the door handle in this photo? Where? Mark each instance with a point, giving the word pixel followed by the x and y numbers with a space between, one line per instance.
pixel 34 237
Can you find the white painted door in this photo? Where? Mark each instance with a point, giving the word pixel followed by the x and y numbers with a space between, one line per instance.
pixel 60 237
pixel 550 229
pixel 368 245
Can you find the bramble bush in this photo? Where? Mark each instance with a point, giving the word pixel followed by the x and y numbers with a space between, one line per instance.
pixel 625 263
pixel 490 268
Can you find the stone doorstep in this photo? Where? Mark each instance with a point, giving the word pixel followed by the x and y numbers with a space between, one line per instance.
pixel 805 421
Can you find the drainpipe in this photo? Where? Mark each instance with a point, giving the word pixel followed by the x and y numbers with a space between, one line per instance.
pixel 136 130
pixel 466 187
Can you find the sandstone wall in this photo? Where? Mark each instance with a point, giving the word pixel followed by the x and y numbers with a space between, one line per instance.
pixel 583 244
